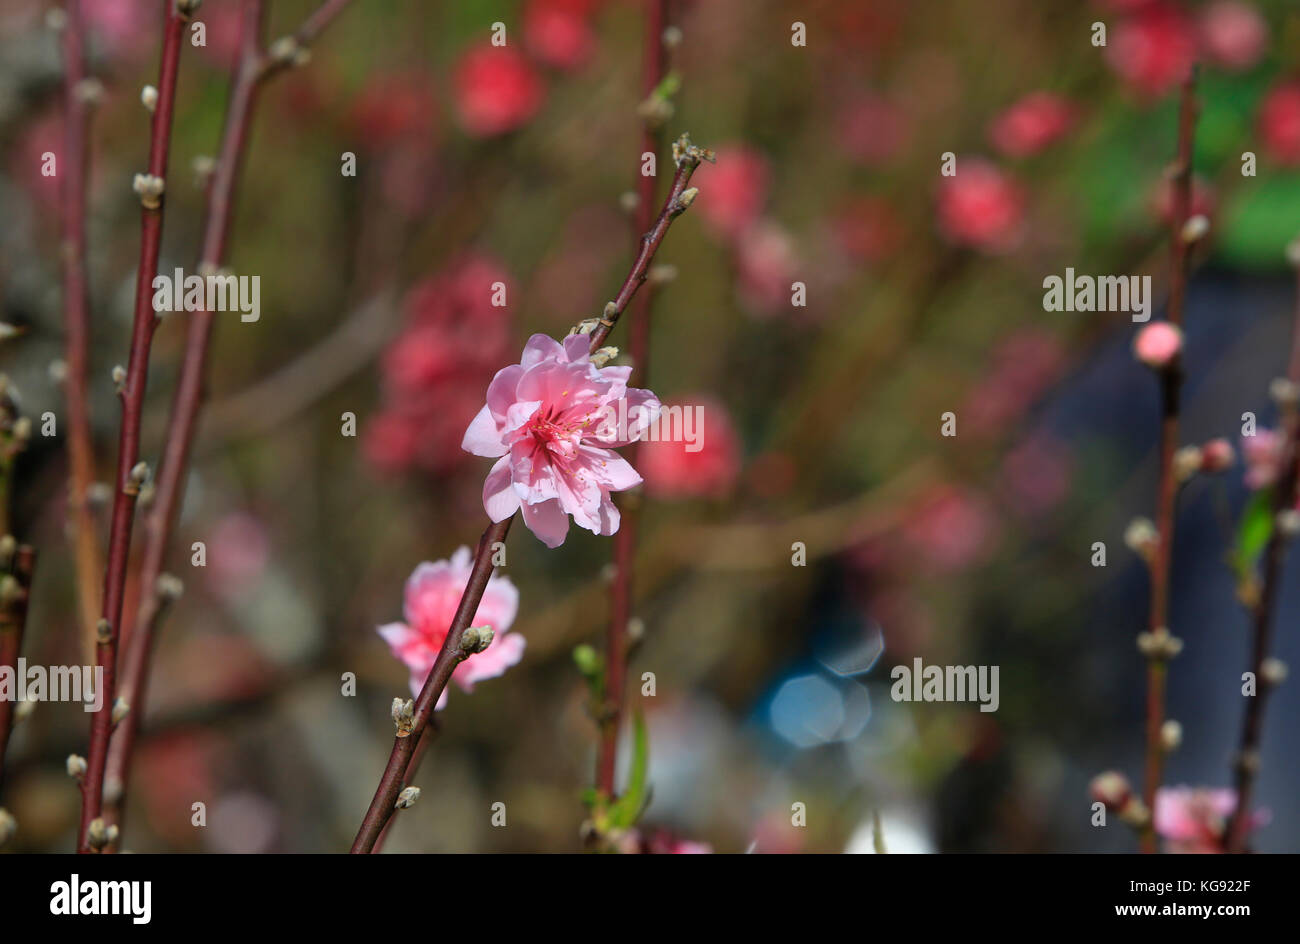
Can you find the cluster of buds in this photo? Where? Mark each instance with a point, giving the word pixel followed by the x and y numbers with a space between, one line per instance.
pixel 1113 790
pixel 1159 645
pixel 149 189
pixel 475 640
pixel 1142 538
pixel 404 716
pixel 1211 457
pixel 100 834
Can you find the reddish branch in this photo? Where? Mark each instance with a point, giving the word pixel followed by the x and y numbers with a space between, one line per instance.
pixel 253 67
pixel 1171 380
pixel 76 319
pixel 132 394
pixel 396 772
pixel 1284 499
pixel 616 638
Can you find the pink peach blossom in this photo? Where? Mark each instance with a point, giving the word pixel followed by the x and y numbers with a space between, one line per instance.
pixel 674 471
pixel 1233 34
pixel 731 203
pixel 497 90
pixel 1031 124
pixel 1157 344
pixel 546 421
pixel 1279 123
pixel 1193 820
pixel 558 33
pixel 1262 455
pixel 433 593
pixel 1153 50
pixel 981 207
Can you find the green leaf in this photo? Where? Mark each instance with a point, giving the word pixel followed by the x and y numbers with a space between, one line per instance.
pixel 629 807
pixel 1256 227
pixel 1254 530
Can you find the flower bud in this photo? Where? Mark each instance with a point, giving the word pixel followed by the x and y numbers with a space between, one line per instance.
pixel 1158 344
pixel 1217 455
pixel 1171 735
pixel 76 766
pixel 1187 462
pixel 1111 788
pixel 406 799
pixel 1273 671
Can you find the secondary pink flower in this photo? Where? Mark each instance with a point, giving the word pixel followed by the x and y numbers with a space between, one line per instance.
pixel 1031 124
pixel 731 203
pixel 557 32
pixel 1262 455
pixel 1217 455
pixel 433 592
pixel 394 107
pixel 497 90
pixel 871 129
pixel 679 469
pixel 1233 34
pixel 766 267
pixel 1279 123
pixel 1157 344
pixel 951 528
pixel 1193 820
pixel 981 207
pixel 1154 49
pixel 551 422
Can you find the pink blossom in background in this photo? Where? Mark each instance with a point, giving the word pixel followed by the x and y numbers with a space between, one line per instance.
pixel 1153 49
pixel 867 228
pixel 432 595
pixel 670 471
pixel 1036 475
pixel 1233 34
pixel 39 137
pixel 222 22
pixel 1217 455
pixel 238 551
pixel 1193 820
pixel 543 422
pixel 872 129
pixel 1262 455
pixel 981 207
pixel 452 341
pixel 766 263
pixel 663 842
pixel 1157 344
pixel 127 27
pixel 952 528
pixel 394 107
pixel 1279 123
pixel 737 189
pixel 496 90
pixel 558 32
pixel 1031 124
pixel 1024 364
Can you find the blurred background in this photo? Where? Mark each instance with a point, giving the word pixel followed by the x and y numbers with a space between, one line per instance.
pixel 477 164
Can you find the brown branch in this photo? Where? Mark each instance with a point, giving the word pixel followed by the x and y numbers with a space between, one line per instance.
pixel 396 772
pixel 1284 500
pixel 76 321
pixel 616 642
pixel 1171 379
pixel 129 477
pixel 16 567
pixel 252 68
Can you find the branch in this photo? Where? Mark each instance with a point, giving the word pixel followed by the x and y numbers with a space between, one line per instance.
pixel 78 92
pixel 1284 501
pixel 1171 379
pixel 409 733
pixel 616 642
pixel 131 473
pixel 252 68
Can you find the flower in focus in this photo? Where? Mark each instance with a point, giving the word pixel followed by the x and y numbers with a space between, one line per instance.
pixel 558 33
pixel 1153 50
pixel 552 421
pixel 674 468
pixel 1233 34
pixel 1262 455
pixel 496 90
pixel 1193 820
pixel 432 595
pixel 1157 344
pixel 1279 123
pixel 1031 124
pixel 731 203
pixel 981 207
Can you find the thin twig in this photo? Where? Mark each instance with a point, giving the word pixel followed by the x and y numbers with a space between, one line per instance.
pixel 616 642
pixel 76 321
pixel 399 760
pixel 129 477
pixel 15 590
pixel 1171 379
pixel 253 67
pixel 1284 500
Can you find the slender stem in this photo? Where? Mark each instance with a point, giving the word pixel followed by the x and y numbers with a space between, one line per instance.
pixel 1171 381
pixel 76 322
pixel 399 760
pixel 616 643
pixel 132 394
pixel 253 67
pixel 1284 498
pixel 13 620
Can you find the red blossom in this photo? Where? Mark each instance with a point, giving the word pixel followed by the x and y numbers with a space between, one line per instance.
pixel 496 90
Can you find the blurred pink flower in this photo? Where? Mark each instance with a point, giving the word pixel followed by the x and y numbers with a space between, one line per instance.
pixel 392 107
pixel 547 421
pixel 671 471
pixel 1153 49
pixel 766 263
pixel 496 90
pixel 1157 344
pixel 432 595
pixel 1262 455
pixel 1204 199
pixel 981 206
pixel 663 842
pixel 1036 475
pixel 1217 455
pixel 1193 820
pixel 872 129
pixel 127 27
pixel 238 551
pixel 951 527
pixel 1233 34
pixel 1031 124
pixel 1023 365
pixel 867 228
pixel 1279 123
pixel 731 203
pixel 558 32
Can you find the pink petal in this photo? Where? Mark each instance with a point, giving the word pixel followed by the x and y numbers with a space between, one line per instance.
pixel 610 470
pixel 499 498
pixel 483 438
pixel 499 606
pixel 548 521
pixel 504 652
pixel 539 348
pixel 577 347
pixel 501 392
